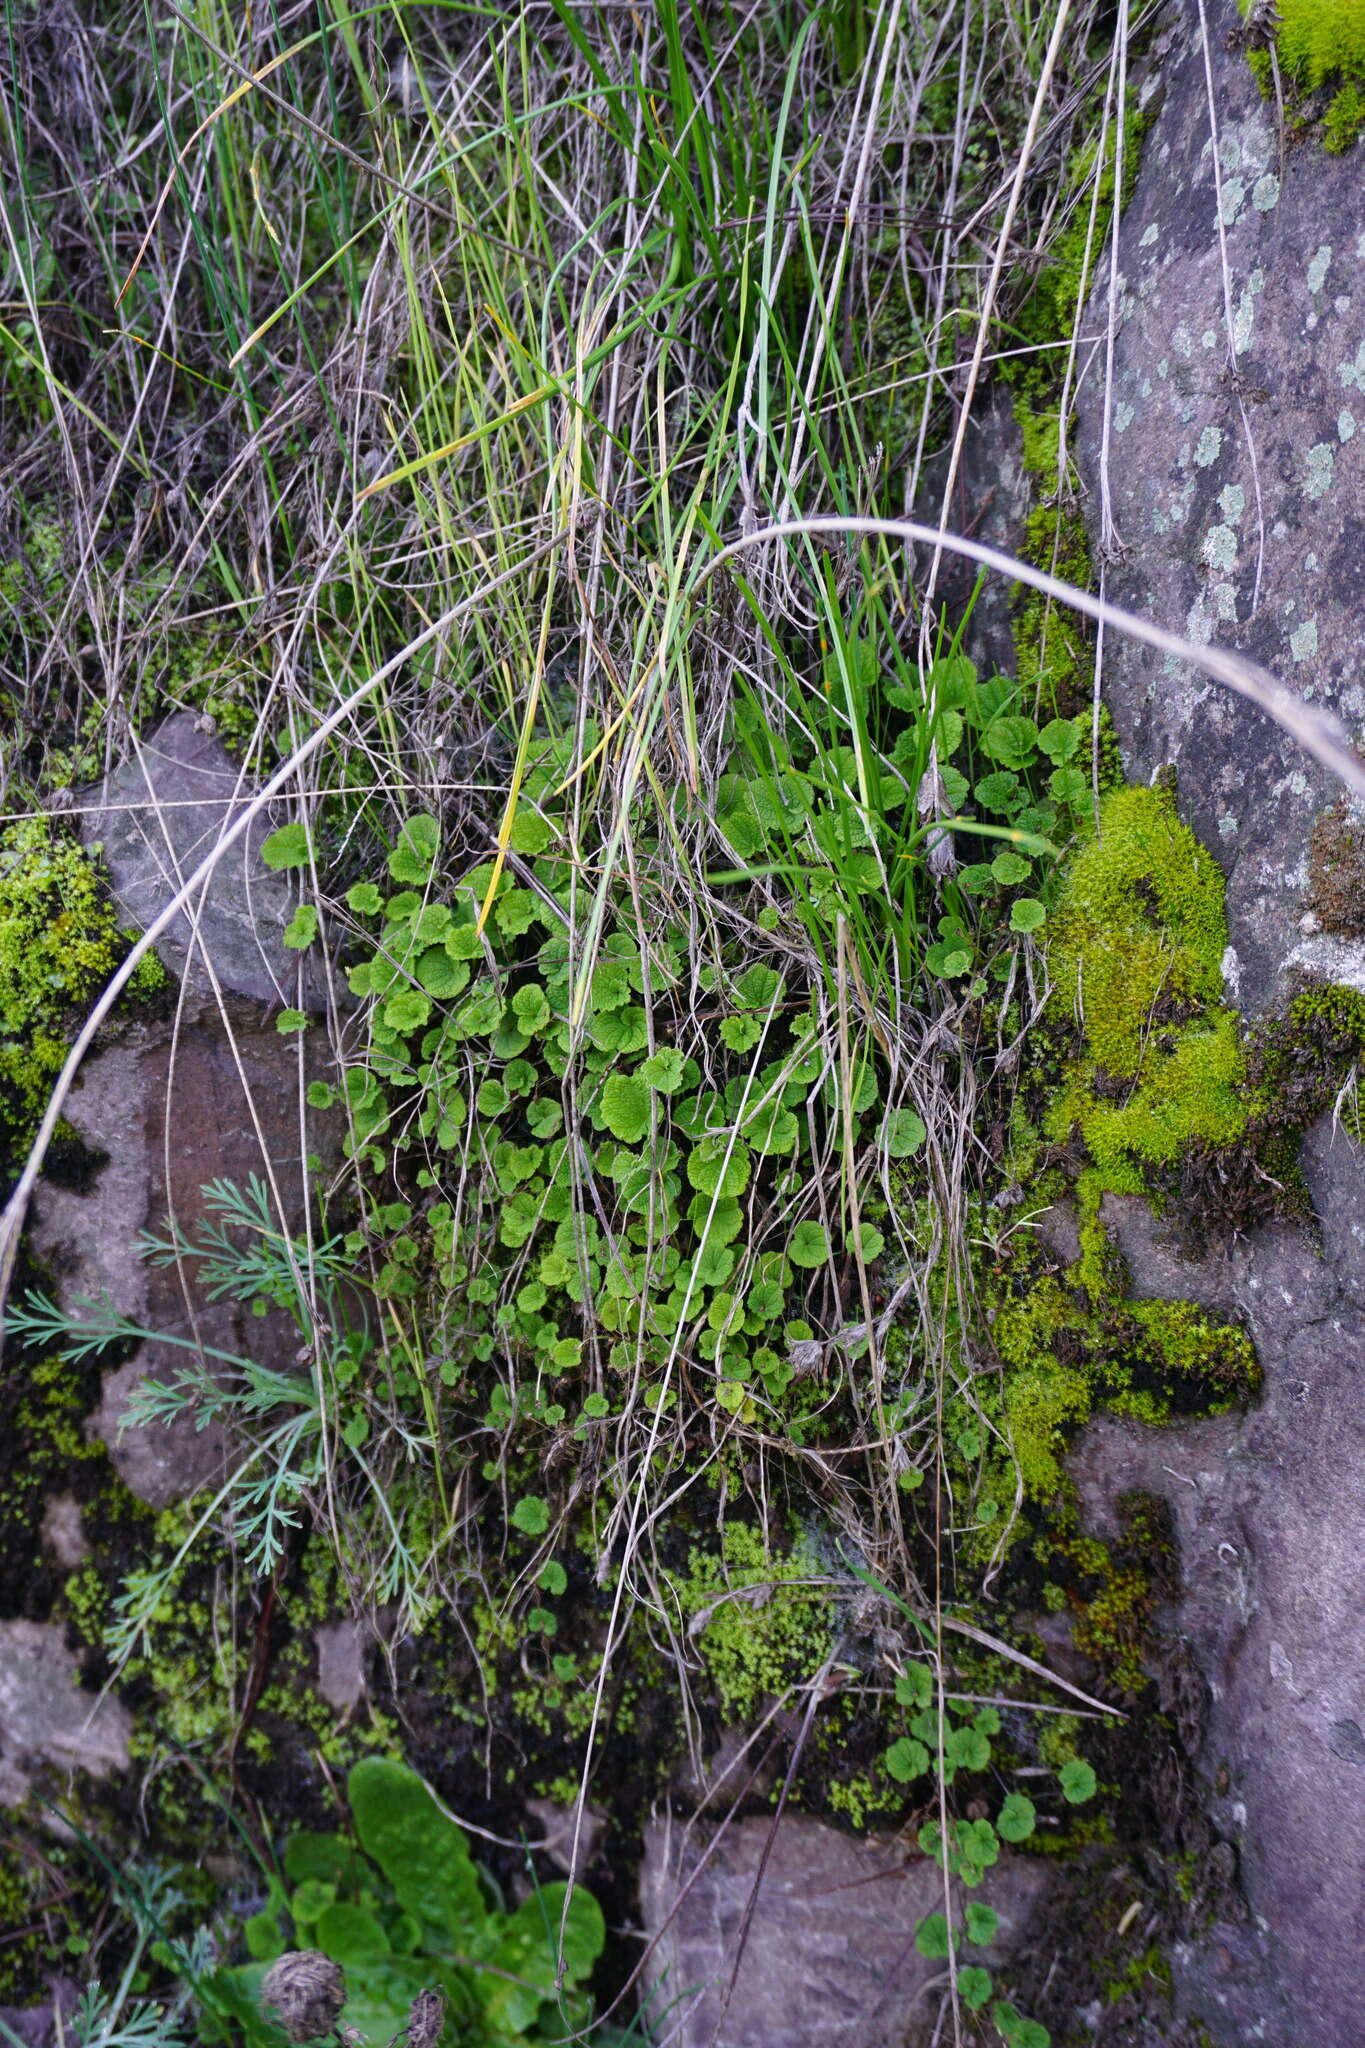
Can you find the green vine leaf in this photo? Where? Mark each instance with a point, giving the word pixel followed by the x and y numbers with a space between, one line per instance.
pixel 867 1241
pixel 414 856
pixel 931 1937
pixel 531 1515
pixel 407 1012
pixel 290 847
pixel 302 927
pixel 983 1923
pixel 973 1986
pixel 663 1070
pixel 1077 1781
pixel 624 1108
pixel 1027 914
pixel 907 1760
pixel 808 1245
pixel 1017 1817
pixel 903 1133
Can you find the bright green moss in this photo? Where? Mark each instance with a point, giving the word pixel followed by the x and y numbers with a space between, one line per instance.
pixel 1136 961
pixel 1344 122
pixel 1319 38
pixel 860 1799
pixel 1152 1071
pixel 59 943
pixel 1319 43
pixel 1044 1403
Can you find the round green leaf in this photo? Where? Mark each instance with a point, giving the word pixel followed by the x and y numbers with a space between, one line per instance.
pixel 531 1515
pixel 1009 868
pixel 868 1240
pixel 973 1986
pixel 529 834
pixel 903 1133
pixel 414 856
pixel 1017 1817
pixel 1069 785
pixel 287 848
pixel 1015 2030
pixel 439 975
pixel 983 1923
pixel 1077 1781
pixel 663 1070
pixel 1060 739
pixel 1010 741
pixel 365 900
pixel 740 1034
pixel 302 927
pixel 624 1108
pixel 931 1937
pixel 1026 914
pixel 719 1165
pixel 907 1760
pixel 407 1011
pixel 967 1748
pixel 915 1686
pixel 808 1245
pixel 759 988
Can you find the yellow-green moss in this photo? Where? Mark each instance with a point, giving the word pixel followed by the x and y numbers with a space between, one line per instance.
pixel 1344 122
pixel 1148 1069
pixel 59 943
pixel 1319 43
pixel 1136 960
pixel 1319 39
pixel 761 1626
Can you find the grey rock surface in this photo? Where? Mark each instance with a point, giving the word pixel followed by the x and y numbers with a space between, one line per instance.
pixel 1230 501
pixel 341 1664
pixel 1270 1518
pixel 63 1531
pixel 47 2025
pixel 174 1106
pixel 829 1960
pixel 572 1835
pixel 156 817
pixel 1234 478
pixel 45 1717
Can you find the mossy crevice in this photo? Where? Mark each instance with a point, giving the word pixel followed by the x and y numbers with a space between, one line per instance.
pixel 59 943
pixel 1143 1062
pixel 1319 74
pixel 1145 1085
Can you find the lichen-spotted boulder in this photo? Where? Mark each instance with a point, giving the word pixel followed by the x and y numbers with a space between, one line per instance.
pixel 1225 471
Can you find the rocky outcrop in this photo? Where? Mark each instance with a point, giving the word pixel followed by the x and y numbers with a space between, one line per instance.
pixel 795 1935
pixel 1226 475
pixel 155 819
pixel 45 1716
pixel 209 1092
pixel 176 1105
